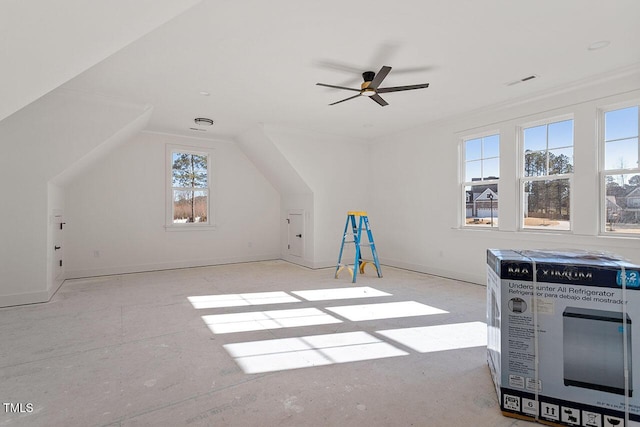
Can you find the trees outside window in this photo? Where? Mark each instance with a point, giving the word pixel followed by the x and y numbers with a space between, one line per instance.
pixel 189 176
pixel 547 175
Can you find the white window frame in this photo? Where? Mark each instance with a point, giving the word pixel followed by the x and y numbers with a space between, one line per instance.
pixel 169 224
pixel 525 179
pixel 603 173
pixel 463 177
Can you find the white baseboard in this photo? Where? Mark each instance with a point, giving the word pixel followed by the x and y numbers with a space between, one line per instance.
pixel 30 297
pixel 125 269
pixel 458 275
pixel 25 298
pixel 306 263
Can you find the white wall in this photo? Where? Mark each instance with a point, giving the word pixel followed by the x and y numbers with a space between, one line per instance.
pixel 337 171
pixel 115 212
pixel 39 143
pixel 294 192
pixel 416 194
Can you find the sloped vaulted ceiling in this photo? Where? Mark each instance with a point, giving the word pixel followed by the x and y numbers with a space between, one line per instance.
pixel 43 43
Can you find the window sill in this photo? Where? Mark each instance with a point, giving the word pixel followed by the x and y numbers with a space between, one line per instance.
pixel 190 227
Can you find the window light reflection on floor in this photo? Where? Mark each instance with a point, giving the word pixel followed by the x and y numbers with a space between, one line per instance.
pixel 239 300
pixel 428 339
pixel 261 320
pixel 340 293
pixel 387 310
pixel 316 350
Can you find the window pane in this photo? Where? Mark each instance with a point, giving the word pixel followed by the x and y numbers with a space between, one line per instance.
pixel 621 154
pixel 491 168
pixel 535 138
pixel 472 171
pixel 620 124
pixel 473 149
pixel 535 163
pixel 623 203
pixel 560 161
pixel 561 134
pixel 547 204
pixel 491 146
pixel 481 205
pixel 189 170
pixel 190 206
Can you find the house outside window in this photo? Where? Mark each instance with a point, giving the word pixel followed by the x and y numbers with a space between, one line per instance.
pixel 189 188
pixel 547 175
pixel 480 183
pixel 621 171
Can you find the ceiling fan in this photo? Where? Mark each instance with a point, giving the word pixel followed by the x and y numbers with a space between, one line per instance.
pixel 370 86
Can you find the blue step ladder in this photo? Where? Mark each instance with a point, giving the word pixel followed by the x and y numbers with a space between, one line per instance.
pixel 357 227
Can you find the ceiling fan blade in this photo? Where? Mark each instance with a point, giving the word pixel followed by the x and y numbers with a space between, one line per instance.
pixel 399 88
pixel 337 87
pixel 346 99
pixel 379 100
pixel 409 70
pixel 379 77
pixel 339 66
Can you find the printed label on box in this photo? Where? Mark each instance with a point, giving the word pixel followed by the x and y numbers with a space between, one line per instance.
pixel 613 421
pixel 512 402
pixel 550 411
pixel 531 384
pixel 591 419
pixel 570 415
pixel 516 381
pixel 529 406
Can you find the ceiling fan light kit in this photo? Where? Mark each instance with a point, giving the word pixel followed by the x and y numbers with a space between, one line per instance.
pixel 370 87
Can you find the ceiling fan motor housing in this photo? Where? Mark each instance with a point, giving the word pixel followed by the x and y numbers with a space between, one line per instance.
pixel 368 76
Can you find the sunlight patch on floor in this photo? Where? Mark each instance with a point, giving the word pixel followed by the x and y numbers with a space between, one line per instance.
pixel 340 293
pixel 388 310
pixel 427 339
pixel 303 352
pixel 239 300
pixel 261 320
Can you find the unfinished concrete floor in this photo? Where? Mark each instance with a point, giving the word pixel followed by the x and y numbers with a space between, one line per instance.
pixel 135 350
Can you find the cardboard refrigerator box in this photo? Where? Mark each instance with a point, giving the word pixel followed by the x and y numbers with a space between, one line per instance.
pixel 563 331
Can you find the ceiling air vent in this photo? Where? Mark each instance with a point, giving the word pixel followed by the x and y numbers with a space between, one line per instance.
pixel 525 79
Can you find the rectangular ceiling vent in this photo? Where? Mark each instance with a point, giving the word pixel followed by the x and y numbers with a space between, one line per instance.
pixel 525 79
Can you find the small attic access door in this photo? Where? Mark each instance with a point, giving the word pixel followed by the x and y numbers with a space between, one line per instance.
pixel 295 244
pixel 58 250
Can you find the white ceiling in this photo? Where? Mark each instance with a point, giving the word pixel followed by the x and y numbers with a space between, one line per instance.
pixel 260 60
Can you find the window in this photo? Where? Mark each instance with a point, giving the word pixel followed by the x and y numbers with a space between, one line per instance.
pixel 481 175
pixel 189 186
pixel 621 171
pixel 547 175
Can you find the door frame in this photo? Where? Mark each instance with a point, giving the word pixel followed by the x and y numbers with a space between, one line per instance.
pixel 301 213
